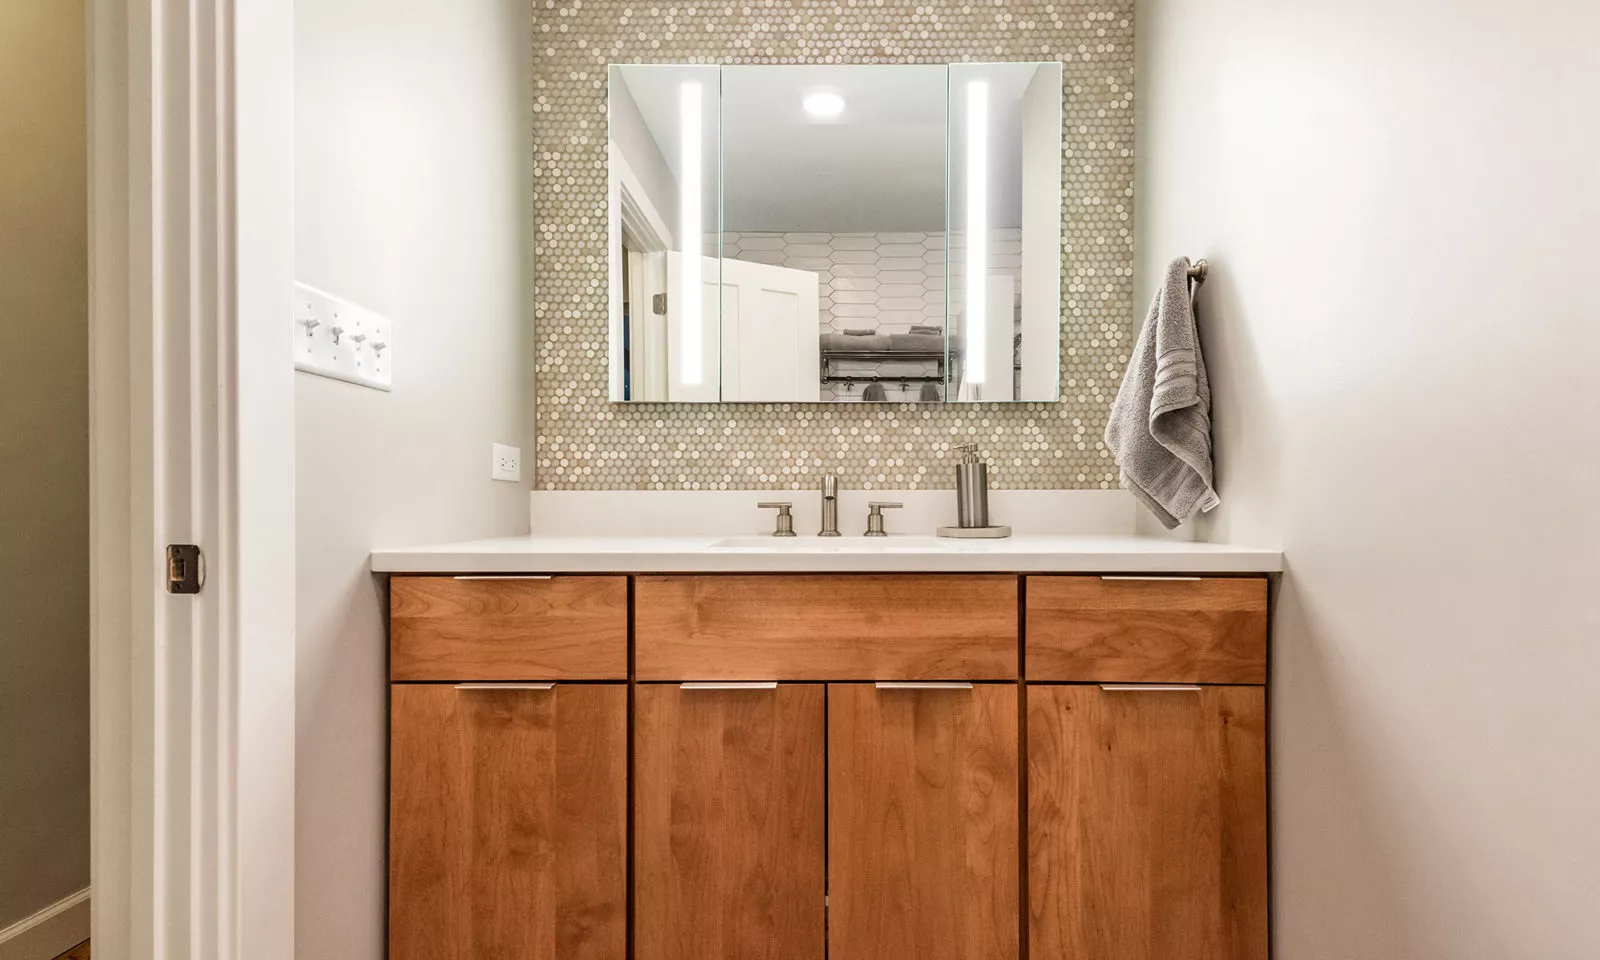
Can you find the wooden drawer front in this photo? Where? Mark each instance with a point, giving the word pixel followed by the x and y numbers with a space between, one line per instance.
pixel 843 627
pixel 1212 630
pixel 562 628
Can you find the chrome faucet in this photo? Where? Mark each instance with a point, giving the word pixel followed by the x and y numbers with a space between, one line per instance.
pixel 830 507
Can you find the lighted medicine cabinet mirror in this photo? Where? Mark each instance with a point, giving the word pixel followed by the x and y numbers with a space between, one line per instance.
pixel 822 233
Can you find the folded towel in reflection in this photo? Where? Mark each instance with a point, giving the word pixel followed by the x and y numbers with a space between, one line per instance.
pixel 875 392
pixel 930 393
pixel 920 342
pixel 860 333
pixel 1160 427
pixel 832 342
pixel 926 328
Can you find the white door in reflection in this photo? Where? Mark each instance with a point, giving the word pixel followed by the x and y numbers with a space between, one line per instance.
pixel 769 333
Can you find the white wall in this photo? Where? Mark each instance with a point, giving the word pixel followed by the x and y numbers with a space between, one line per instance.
pixel 1401 205
pixel 411 154
pixel 631 135
pixel 44 461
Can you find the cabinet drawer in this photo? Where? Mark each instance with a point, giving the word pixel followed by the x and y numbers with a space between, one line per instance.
pixel 842 627
pixel 560 628
pixel 1210 630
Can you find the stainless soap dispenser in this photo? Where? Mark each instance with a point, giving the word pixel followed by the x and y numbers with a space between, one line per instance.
pixel 972 498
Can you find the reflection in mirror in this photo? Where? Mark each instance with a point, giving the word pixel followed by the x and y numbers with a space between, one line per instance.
pixel 664 209
pixel 834 214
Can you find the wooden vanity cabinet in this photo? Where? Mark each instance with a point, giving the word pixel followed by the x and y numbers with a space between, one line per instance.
pixel 839 767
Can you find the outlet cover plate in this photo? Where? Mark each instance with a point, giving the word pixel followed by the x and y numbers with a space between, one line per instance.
pixel 506 463
pixel 336 338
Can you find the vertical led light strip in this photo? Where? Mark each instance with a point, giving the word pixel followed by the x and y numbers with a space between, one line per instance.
pixel 977 334
pixel 690 294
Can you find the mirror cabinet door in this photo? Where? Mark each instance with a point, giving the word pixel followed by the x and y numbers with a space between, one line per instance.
pixel 1005 229
pixel 663 141
pixel 834 186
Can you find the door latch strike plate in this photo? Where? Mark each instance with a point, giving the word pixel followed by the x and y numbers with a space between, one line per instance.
pixel 186 568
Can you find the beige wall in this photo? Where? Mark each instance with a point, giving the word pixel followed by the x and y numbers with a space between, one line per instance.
pixel 1401 206
pixel 410 200
pixel 44 458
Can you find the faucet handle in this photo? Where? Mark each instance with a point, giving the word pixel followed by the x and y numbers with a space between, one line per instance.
pixel 785 518
pixel 875 517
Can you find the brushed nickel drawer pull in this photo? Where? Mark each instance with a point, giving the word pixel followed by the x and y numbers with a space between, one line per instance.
pixel 504 686
pixel 505 576
pixel 736 685
pixel 920 685
pixel 1179 579
pixel 1149 688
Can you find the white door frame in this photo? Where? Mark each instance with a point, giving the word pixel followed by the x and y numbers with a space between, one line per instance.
pixel 192 440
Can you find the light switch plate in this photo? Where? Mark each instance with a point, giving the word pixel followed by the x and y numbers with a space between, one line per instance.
pixel 507 462
pixel 336 338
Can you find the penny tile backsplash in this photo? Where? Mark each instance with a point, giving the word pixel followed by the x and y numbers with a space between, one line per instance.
pixel 585 442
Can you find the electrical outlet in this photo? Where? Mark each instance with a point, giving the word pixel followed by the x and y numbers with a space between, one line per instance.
pixel 506 463
pixel 335 338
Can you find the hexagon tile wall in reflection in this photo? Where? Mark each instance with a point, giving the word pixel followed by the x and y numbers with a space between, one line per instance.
pixel 585 442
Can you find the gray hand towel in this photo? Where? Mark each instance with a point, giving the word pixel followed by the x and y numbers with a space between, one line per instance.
pixel 1160 426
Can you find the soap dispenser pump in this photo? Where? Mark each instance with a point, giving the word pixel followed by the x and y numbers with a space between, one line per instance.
pixel 972 499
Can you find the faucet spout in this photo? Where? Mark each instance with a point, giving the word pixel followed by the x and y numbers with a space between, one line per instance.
pixel 830 507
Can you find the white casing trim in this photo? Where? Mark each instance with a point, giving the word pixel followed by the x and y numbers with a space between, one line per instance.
pixel 191 440
pixel 50 932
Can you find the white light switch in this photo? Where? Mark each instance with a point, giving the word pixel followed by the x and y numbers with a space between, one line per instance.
pixel 335 338
pixel 507 462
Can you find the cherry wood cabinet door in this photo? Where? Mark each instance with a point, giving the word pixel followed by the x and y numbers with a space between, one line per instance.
pixel 729 820
pixel 508 822
pixel 923 823
pixel 1147 822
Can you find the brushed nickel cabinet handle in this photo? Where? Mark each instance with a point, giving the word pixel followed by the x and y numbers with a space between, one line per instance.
pixel 504 686
pixel 1180 579
pixel 735 685
pixel 505 576
pixel 1149 688
pixel 920 685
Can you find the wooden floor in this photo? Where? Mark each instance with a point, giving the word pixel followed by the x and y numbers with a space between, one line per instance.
pixel 80 952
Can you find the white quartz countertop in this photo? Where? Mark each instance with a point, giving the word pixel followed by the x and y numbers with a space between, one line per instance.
pixel 811 554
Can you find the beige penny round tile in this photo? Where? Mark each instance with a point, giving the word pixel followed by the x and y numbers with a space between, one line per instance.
pixel 585 442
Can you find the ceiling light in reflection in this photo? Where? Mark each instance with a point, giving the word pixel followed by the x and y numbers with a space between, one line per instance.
pixel 824 104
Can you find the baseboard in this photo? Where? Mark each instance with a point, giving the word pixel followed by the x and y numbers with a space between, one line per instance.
pixel 50 932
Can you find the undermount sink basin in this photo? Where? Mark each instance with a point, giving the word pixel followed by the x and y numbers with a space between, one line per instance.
pixel 890 544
